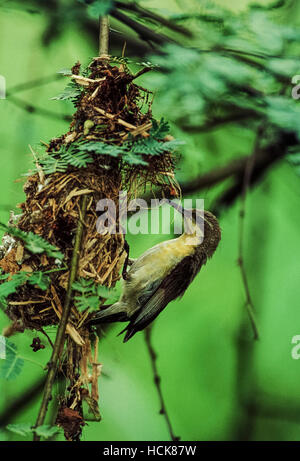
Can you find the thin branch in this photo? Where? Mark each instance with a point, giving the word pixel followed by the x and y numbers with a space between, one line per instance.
pixel 103 36
pixel 247 178
pixel 33 84
pixel 144 32
pixel 213 177
pixel 266 158
pixel 157 379
pixel 37 110
pixel 19 403
pixel 216 122
pixel 60 336
pixel 135 8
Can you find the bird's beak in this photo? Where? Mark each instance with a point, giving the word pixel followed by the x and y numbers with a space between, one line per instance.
pixel 177 207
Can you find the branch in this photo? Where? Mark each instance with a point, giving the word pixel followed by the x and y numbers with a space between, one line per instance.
pixel 144 32
pixel 33 84
pixel 247 177
pixel 135 8
pixel 265 160
pixel 219 121
pixel 21 402
pixel 103 36
pixel 213 177
pixel 37 110
pixel 60 336
pixel 157 379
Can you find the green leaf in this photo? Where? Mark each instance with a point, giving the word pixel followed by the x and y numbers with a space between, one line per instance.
pixel 33 242
pixel 151 146
pixel 108 293
pixel 77 159
pixel 133 159
pixel 83 285
pixel 52 164
pixel 97 147
pixel 12 365
pixel 46 431
pixel 72 91
pixel 9 287
pixel 87 302
pixel 65 72
pixel 91 293
pixel 159 130
pixel 36 244
pixel 99 8
pixel 39 279
pixel 23 429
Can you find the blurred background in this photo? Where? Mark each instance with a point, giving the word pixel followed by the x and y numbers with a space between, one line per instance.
pixel 218 383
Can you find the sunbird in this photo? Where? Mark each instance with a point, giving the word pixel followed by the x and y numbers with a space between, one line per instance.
pixel 163 273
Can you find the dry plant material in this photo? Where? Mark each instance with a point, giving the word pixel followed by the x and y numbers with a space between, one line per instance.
pixel 113 120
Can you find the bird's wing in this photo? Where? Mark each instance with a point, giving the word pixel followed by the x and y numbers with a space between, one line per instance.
pixel 173 286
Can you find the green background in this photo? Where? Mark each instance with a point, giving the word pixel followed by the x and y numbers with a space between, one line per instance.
pixel 217 382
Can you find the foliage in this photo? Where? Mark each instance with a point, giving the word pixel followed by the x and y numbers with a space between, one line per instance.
pixel 96 8
pixel 294 159
pixel 33 242
pixel 8 287
pixel 71 92
pixel 91 293
pixel 36 245
pixel 207 335
pixel 26 429
pixel 12 365
pixel 240 73
pixel 80 153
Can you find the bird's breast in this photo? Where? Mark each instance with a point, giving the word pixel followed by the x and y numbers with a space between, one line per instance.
pixel 154 265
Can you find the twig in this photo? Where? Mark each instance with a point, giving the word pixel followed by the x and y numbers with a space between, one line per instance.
pixel 214 123
pixel 265 160
pixel 37 110
pixel 246 184
pixel 85 81
pixel 123 123
pixel 113 117
pixel 144 32
pixel 47 336
pixel 33 84
pixel 213 177
pixel 103 36
pixel 141 72
pixel 135 8
pixel 19 403
pixel 60 336
pixel 157 379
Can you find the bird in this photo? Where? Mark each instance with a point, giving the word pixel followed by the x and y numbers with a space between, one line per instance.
pixel 163 273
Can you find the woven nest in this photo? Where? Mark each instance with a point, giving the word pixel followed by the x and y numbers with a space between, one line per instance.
pixel 115 108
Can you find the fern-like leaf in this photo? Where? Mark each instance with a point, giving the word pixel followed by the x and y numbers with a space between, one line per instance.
pixel 10 286
pixel 33 242
pixel 91 294
pixel 101 148
pixel 77 159
pixel 71 92
pixel 39 279
pixel 12 365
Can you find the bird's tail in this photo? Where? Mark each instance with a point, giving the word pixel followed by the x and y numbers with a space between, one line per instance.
pixel 112 313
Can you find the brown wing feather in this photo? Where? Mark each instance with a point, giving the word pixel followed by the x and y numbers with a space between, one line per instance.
pixel 173 286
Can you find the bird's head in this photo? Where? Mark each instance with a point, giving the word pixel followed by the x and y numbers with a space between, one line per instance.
pixel 202 226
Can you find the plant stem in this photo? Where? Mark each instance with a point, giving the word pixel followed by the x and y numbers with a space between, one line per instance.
pixel 156 378
pixel 247 177
pixel 60 336
pixel 103 36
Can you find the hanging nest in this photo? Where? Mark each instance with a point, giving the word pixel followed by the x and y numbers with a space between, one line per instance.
pixel 112 114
